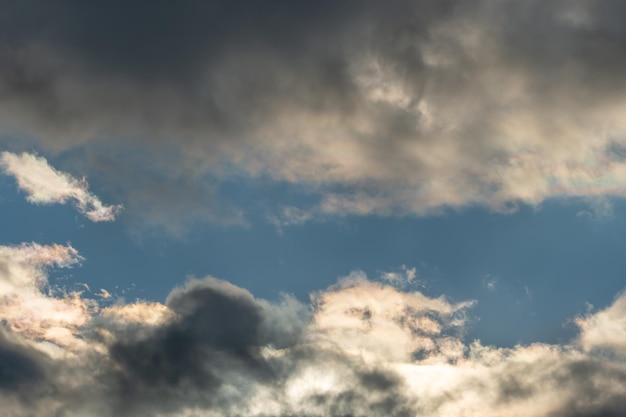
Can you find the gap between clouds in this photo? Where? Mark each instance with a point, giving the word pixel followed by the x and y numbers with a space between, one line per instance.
pixel 359 348
pixel 45 185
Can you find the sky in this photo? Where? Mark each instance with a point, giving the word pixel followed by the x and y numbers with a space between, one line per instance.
pixel 312 209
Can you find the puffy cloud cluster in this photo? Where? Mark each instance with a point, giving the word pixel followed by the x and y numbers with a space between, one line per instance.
pixel 45 185
pixel 401 107
pixel 361 348
pixel 606 329
pixel 27 304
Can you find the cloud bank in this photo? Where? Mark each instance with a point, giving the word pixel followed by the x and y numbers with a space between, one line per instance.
pixel 405 107
pixel 360 348
pixel 45 185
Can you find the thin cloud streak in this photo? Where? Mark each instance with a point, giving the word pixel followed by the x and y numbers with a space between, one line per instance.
pixel 45 185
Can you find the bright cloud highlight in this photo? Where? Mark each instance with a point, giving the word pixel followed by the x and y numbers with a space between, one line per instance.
pixel 45 185
pixel 361 348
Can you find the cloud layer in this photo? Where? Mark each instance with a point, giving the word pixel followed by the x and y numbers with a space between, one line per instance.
pixel 360 348
pixel 358 107
pixel 45 185
pixel 397 108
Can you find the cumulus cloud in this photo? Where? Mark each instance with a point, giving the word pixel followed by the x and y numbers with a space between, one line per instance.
pixel 45 185
pixel 375 320
pixel 26 304
pixel 360 348
pixel 605 329
pixel 405 107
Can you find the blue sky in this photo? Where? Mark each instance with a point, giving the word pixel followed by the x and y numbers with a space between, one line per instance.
pixel 531 272
pixel 319 209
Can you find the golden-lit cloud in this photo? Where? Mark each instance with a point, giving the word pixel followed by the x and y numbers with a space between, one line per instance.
pixel 45 185
pixel 605 329
pixel 27 304
pixel 361 347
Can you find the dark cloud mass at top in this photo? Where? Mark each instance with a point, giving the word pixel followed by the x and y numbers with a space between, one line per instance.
pixel 178 51
pixel 401 107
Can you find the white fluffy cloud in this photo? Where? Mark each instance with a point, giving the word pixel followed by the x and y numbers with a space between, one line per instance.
pixel 360 348
pixel 27 303
pixel 375 320
pixel 45 185
pixel 606 329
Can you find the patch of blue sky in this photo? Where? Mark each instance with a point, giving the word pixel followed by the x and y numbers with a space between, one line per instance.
pixel 529 271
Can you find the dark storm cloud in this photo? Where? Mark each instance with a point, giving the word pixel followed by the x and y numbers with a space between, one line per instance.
pixel 592 394
pixel 166 38
pixel 376 393
pixel 178 47
pixel 20 367
pixel 588 387
pixel 217 331
pixel 391 108
pixel 216 340
pixel 212 327
pixel 27 379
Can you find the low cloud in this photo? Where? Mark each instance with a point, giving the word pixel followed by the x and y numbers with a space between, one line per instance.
pixel 30 306
pixel 360 348
pixel 406 107
pixel 606 329
pixel 45 185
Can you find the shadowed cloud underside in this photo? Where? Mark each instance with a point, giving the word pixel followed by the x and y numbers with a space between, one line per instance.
pixel 405 107
pixel 360 348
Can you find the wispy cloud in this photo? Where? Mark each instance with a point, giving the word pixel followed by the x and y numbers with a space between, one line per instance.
pixel 45 185
pixel 401 277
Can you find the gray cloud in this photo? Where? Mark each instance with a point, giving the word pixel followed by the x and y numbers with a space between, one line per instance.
pixel 26 376
pixel 20 365
pixel 397 108
pixel 217 331
pixel 361 348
